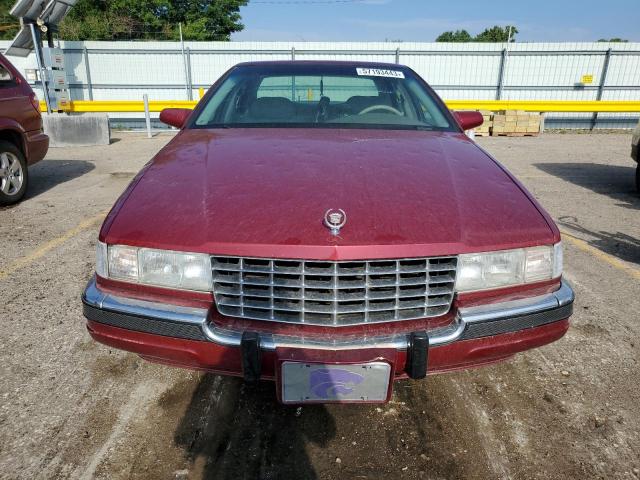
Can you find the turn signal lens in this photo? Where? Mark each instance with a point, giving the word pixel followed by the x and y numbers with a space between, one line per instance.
pixel 539 264
pixel 558 260
pixel 123 262
pixel 101 260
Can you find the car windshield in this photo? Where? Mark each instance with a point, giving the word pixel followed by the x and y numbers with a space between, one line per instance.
pixel 322 96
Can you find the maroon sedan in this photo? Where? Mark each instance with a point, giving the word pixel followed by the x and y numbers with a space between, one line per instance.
pixel 22 141
pixel 329 226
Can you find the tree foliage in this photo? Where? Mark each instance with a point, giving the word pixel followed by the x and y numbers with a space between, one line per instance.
pixel 493 34
pixel 144 19
pixel 457 36
pixel 152 19
pixel 8 25
pixel 615 40
pixel 497 34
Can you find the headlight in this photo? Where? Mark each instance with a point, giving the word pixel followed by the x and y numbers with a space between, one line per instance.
pixel 163 268
pixel 482 271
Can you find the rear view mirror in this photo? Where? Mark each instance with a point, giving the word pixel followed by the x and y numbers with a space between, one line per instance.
pixel 469 119
pixel 176 117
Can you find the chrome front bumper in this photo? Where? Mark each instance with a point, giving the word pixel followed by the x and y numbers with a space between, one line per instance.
pixel 193 324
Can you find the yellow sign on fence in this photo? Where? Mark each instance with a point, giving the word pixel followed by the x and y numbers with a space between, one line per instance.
pixel 587 79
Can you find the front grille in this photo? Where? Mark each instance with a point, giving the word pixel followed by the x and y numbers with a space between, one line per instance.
pixel 333 293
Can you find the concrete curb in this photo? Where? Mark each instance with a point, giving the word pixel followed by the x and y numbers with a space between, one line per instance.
pixel 87 129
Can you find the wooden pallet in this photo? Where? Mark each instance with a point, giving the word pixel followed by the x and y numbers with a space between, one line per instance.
pixel 481 134
pixel 514 134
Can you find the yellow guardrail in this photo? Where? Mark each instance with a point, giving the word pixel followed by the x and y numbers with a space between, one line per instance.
pixel 592 106
pixel 116 106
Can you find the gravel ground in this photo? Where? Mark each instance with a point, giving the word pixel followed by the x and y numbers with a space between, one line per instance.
pixel 70 408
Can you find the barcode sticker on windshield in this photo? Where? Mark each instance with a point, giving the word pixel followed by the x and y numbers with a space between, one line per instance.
pixel 379 72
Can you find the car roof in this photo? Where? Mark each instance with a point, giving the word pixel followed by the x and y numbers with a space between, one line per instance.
pixel 344 63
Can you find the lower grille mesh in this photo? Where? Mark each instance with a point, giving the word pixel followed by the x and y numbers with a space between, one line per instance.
pixel 333 293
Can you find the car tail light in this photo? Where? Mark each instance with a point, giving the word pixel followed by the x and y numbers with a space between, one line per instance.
pixel 35 102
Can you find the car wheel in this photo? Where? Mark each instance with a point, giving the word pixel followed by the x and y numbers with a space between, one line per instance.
pixel 14 175
pixel 638 177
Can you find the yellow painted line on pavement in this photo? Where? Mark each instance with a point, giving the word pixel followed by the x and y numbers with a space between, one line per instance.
pixel 42 250
pixel 605 257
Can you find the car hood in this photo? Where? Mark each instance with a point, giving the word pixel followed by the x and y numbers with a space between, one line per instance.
pixel 264 192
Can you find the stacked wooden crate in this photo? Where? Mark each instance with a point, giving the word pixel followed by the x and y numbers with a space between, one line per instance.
pixel 484 130
pixel 515 123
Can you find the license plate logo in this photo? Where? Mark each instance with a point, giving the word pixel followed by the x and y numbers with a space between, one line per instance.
pixel 305 382
pixel 331 383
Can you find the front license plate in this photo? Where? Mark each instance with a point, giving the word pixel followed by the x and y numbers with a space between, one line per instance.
pixel 314 382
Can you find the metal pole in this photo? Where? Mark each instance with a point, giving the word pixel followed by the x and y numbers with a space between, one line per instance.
pixel 603 81
pixel 503 61
pixel 397 55
pixel 184 63
pixel 43 78
pixel 87 69
pixel 293 79
pixel 503 66
pixel 189 79
pixel 147 115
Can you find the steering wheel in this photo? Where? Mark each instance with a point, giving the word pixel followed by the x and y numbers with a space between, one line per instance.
pixel 381 107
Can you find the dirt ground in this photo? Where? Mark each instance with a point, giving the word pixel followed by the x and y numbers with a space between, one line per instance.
pixel 70 408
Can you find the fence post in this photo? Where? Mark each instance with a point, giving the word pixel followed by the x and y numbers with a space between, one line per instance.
pixel 503 62
pixel 603 81
pixel 398 55
pixel 85 54
pixel 184 64
pixel 293 53
pixel 189 80
pixel 147 115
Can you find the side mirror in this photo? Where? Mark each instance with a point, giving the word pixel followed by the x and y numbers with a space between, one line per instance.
pixel 176 117
pixel 469 119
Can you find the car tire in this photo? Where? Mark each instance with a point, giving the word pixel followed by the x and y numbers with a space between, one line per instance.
pixel 14 175
pixel 638 177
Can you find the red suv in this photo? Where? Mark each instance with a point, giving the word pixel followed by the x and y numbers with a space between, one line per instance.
pixel 22 141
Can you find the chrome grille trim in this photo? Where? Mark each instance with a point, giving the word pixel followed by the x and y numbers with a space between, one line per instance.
pixel 333 294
